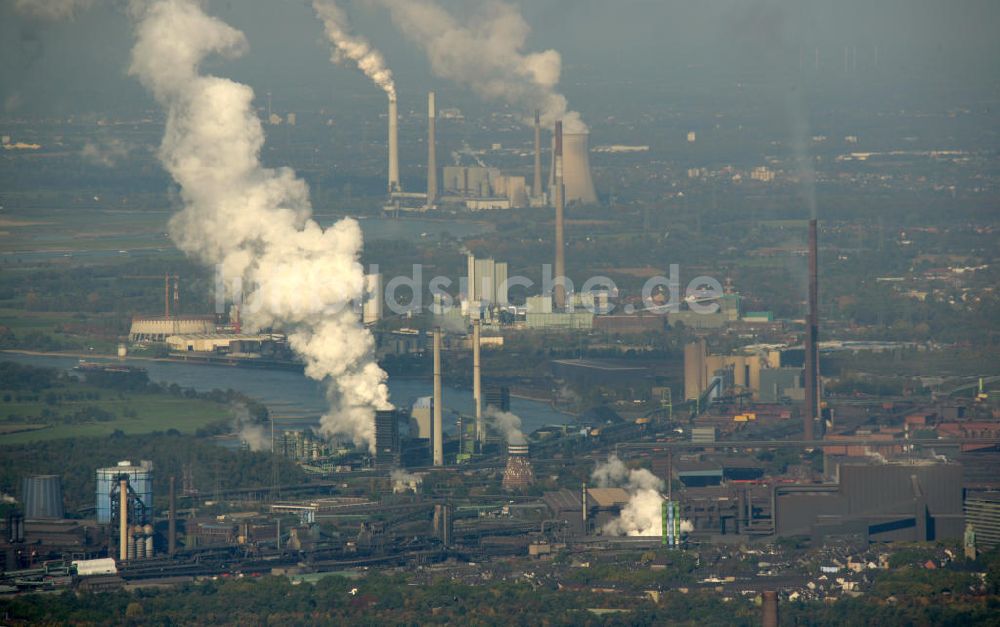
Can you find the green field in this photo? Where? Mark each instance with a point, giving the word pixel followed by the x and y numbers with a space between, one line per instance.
pixel 132 414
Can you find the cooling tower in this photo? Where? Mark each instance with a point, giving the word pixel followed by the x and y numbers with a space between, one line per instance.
pixel 393 146
pixel 518 473
pixel 578 185
pixel 43 497
pixel 432 182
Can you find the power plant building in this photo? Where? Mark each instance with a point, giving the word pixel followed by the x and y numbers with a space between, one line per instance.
pixel 487 281
pixel 387 444
pixel 158 328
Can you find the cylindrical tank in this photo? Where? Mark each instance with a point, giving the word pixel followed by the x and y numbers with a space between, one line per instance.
pixel 149 546
pixel 140 547
pixel 43 497
pixel 130 547
pixel 140 479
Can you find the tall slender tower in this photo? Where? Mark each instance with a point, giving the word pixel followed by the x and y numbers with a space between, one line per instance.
pixel 172 520
pixel 123 520
pixel 559 193
pixel 536 188
pixel 477 382
pixel 437 437
pixel 811 412
pixel 393 145
pixel 432 180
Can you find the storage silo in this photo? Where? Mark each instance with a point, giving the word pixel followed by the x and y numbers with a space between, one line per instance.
pixel 43 497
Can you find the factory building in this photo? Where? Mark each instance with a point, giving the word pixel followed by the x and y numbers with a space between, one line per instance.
pixel 487 282
pixel 901 501
pixel 482 188
pixel 982 512
pixel 232 343
pixel 158 328
pixel 387 444
pixel 700 369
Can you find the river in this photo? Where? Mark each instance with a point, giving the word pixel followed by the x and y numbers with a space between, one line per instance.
pixel 294 400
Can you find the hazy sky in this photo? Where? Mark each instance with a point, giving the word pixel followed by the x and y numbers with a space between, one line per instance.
pixel 79 65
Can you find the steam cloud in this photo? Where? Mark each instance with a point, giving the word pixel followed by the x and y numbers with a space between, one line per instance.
pixel 508 424
pixel 249 430
pixel 254 222
pixel 487 55
pixel 642 515
pixel 347 46
pixel 403 481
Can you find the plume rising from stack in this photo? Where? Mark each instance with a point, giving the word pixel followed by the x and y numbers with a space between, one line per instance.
pixel 355 48
pixel 487 55
pixel 253 223
pixel 641 516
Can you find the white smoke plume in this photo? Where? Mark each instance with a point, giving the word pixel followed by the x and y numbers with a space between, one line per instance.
pixel 403 481
pixel 107 151
pixel 487 55
pixel 348 46
pixel 506 423
pixel 642 515
pixel 253 222
pixel 51 9
pixel 250 430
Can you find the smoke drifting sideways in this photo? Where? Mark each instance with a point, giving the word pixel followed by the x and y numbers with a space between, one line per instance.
pixel 249 430
pixel 487 55
pixel 508 424
pixel 253 223
pixel 642 515
pixel 351 47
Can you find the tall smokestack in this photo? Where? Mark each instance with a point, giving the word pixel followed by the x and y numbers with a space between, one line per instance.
pixel 812 336
pixel 559 193
pixel 172 521
pixel 477 382
pixel 438 440
pixel 769 605
pixel 536 189
pixel 123 520
pixel 393 145
pixel 432 181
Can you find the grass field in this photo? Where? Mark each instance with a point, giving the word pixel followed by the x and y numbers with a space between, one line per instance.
pixel 134 414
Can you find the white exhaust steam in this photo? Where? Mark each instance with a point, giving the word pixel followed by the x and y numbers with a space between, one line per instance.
pixel 508 424
pixel 253 222
pixel 487 55
pixel 642 515
pixel 348 46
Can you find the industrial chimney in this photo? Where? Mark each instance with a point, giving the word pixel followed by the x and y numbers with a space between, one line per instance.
pixel 432 181
pixel 393 146
pixel 123 534
pixel 812 336
pixel 558 193
pixel 172 520
pixel 477 382
pixel 437 438
pixel 769 606
pixel 536 188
